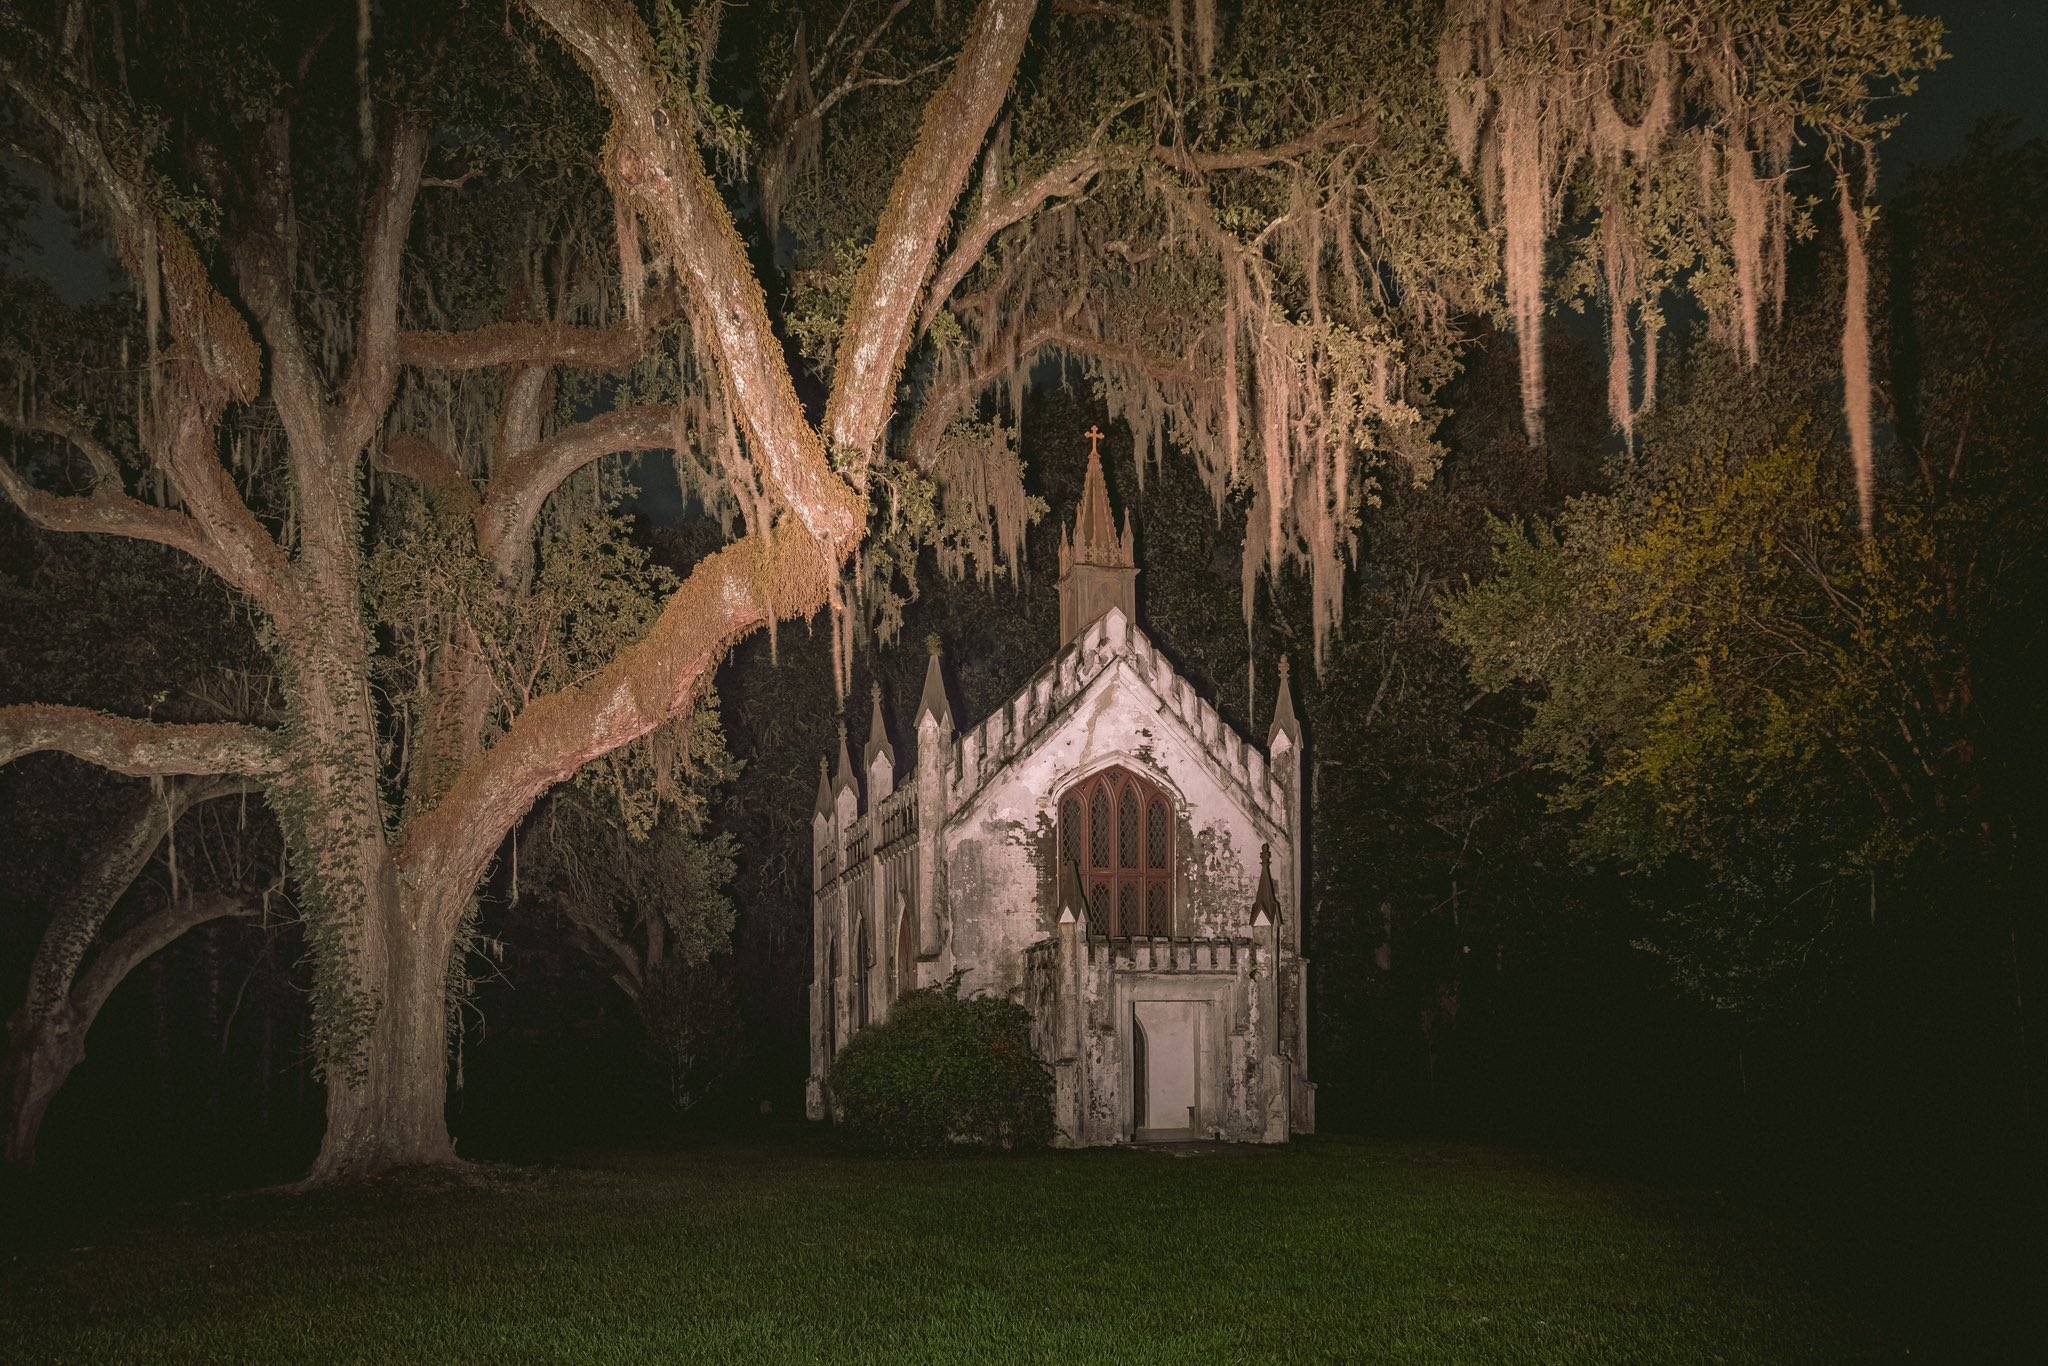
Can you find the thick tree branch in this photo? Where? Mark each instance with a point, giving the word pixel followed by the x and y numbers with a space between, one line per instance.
pixel 106 471
pixel 152 246
pixel 133 947
pixel 777 571
pixel 115 861
pixel 373 373
pixel 140 749
pixel 1070 177
pixel 213 360
pixel 655 162
pixel 527 391
pixel 515 494
pixel 540 344
pixel 762 578
pixel 1162 370
pixel 116 514
pixel 264 249
pixel 249 558
pixel 883 313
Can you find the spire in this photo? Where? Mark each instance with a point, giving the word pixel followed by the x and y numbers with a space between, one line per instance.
pixel 933 703
pixel 1098 567
pixel 878 736
pixel 824 790
pixel 845 780
pixel 1266 904
pixel 1284 723
pixel 1095 539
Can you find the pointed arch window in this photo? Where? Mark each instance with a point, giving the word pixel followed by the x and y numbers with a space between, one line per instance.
pixel 1116 835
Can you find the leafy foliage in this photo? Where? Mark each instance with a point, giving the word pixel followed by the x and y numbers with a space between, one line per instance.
pixel 1773 726
pixel 945 1072
pixel 640 881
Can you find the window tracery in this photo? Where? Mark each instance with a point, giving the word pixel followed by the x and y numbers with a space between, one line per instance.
pixel 1116 835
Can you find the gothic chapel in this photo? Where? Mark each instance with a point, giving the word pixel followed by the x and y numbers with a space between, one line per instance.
pixel 1103 849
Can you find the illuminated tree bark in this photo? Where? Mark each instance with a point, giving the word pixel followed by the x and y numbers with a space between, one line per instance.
pixel 1264 324
pixel 385 905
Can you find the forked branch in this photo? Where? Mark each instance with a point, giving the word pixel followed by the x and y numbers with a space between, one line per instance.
pixel 112 513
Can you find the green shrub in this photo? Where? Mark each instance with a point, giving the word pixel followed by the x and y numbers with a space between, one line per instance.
pixel 945 1072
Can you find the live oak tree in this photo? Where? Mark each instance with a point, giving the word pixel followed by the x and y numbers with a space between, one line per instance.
pixel 252 462
pixel 1251 227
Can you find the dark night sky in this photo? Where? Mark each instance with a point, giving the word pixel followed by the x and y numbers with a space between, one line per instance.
pixel 1998 62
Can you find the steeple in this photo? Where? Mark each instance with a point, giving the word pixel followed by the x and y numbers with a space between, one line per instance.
pixel 824 791
pixel 1098 567
pixel 878 734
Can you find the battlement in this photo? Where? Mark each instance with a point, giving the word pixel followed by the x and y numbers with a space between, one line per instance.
pixel 977 754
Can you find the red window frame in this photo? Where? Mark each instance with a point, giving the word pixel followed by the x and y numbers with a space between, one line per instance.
pixel 1116 830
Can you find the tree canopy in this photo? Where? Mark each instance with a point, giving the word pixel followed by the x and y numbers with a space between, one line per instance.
pixel 404 309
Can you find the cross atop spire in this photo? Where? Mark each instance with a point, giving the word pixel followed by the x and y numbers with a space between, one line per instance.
pixel 1098 566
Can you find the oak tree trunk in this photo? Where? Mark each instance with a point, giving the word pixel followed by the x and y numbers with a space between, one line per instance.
pixel 388 1108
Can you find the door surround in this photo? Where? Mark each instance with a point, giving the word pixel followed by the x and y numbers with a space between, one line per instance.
pixel 1208 1000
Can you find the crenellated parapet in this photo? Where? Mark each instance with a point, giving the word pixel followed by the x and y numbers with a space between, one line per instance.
pixel 1011 731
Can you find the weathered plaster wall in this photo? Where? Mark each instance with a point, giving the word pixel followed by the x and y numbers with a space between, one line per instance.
pixel 1000 880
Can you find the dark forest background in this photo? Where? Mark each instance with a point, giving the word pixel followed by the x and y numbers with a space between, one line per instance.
pixel 1503 947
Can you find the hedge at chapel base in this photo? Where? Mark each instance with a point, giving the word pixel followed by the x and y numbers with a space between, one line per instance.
pixel 942 1072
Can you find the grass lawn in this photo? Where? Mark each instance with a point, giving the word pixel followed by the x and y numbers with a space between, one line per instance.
pixel 794 1251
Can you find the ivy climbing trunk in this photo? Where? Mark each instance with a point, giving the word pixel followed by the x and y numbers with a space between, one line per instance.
pixel 387 1090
